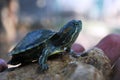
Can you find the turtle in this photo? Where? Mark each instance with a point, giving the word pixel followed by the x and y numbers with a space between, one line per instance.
pixel 39 44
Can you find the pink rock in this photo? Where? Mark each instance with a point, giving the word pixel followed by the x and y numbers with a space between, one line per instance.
pixel 78 48
pixel 111 46
pixel 3 65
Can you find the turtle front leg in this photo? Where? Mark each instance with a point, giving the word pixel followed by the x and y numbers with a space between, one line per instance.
pixel 43 60
pixel 69 50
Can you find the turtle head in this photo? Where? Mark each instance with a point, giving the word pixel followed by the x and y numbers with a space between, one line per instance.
pixel 69 32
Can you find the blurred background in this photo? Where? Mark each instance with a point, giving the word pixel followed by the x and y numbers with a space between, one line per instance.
pixel 18 17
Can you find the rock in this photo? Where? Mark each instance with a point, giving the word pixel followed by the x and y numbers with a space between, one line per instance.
pixel 111 46
pixel 30 72
pixel 63 67
pixel 82 71
pixel 3 65
pixel 99 60
pixel 78 48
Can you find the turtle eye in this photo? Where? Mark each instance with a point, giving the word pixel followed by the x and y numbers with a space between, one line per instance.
pixel 76 24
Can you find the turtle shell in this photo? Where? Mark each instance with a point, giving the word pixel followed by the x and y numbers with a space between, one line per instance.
pixel 32 40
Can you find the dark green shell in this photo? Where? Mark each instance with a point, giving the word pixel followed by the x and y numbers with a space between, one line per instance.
pixel 31 40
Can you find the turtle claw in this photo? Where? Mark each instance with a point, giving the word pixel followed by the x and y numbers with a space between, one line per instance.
pixel 44 67
pixel 74 54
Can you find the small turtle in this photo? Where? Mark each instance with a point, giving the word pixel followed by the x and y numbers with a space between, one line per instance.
pixel 40 44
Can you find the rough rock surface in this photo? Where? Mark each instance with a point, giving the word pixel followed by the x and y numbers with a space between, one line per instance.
pixel 64 67
pixel 98 59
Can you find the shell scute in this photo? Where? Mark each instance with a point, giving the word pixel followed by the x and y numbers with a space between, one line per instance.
pixel 31 40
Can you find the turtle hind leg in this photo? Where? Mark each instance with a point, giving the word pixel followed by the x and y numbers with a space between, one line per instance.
pixel 14 61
